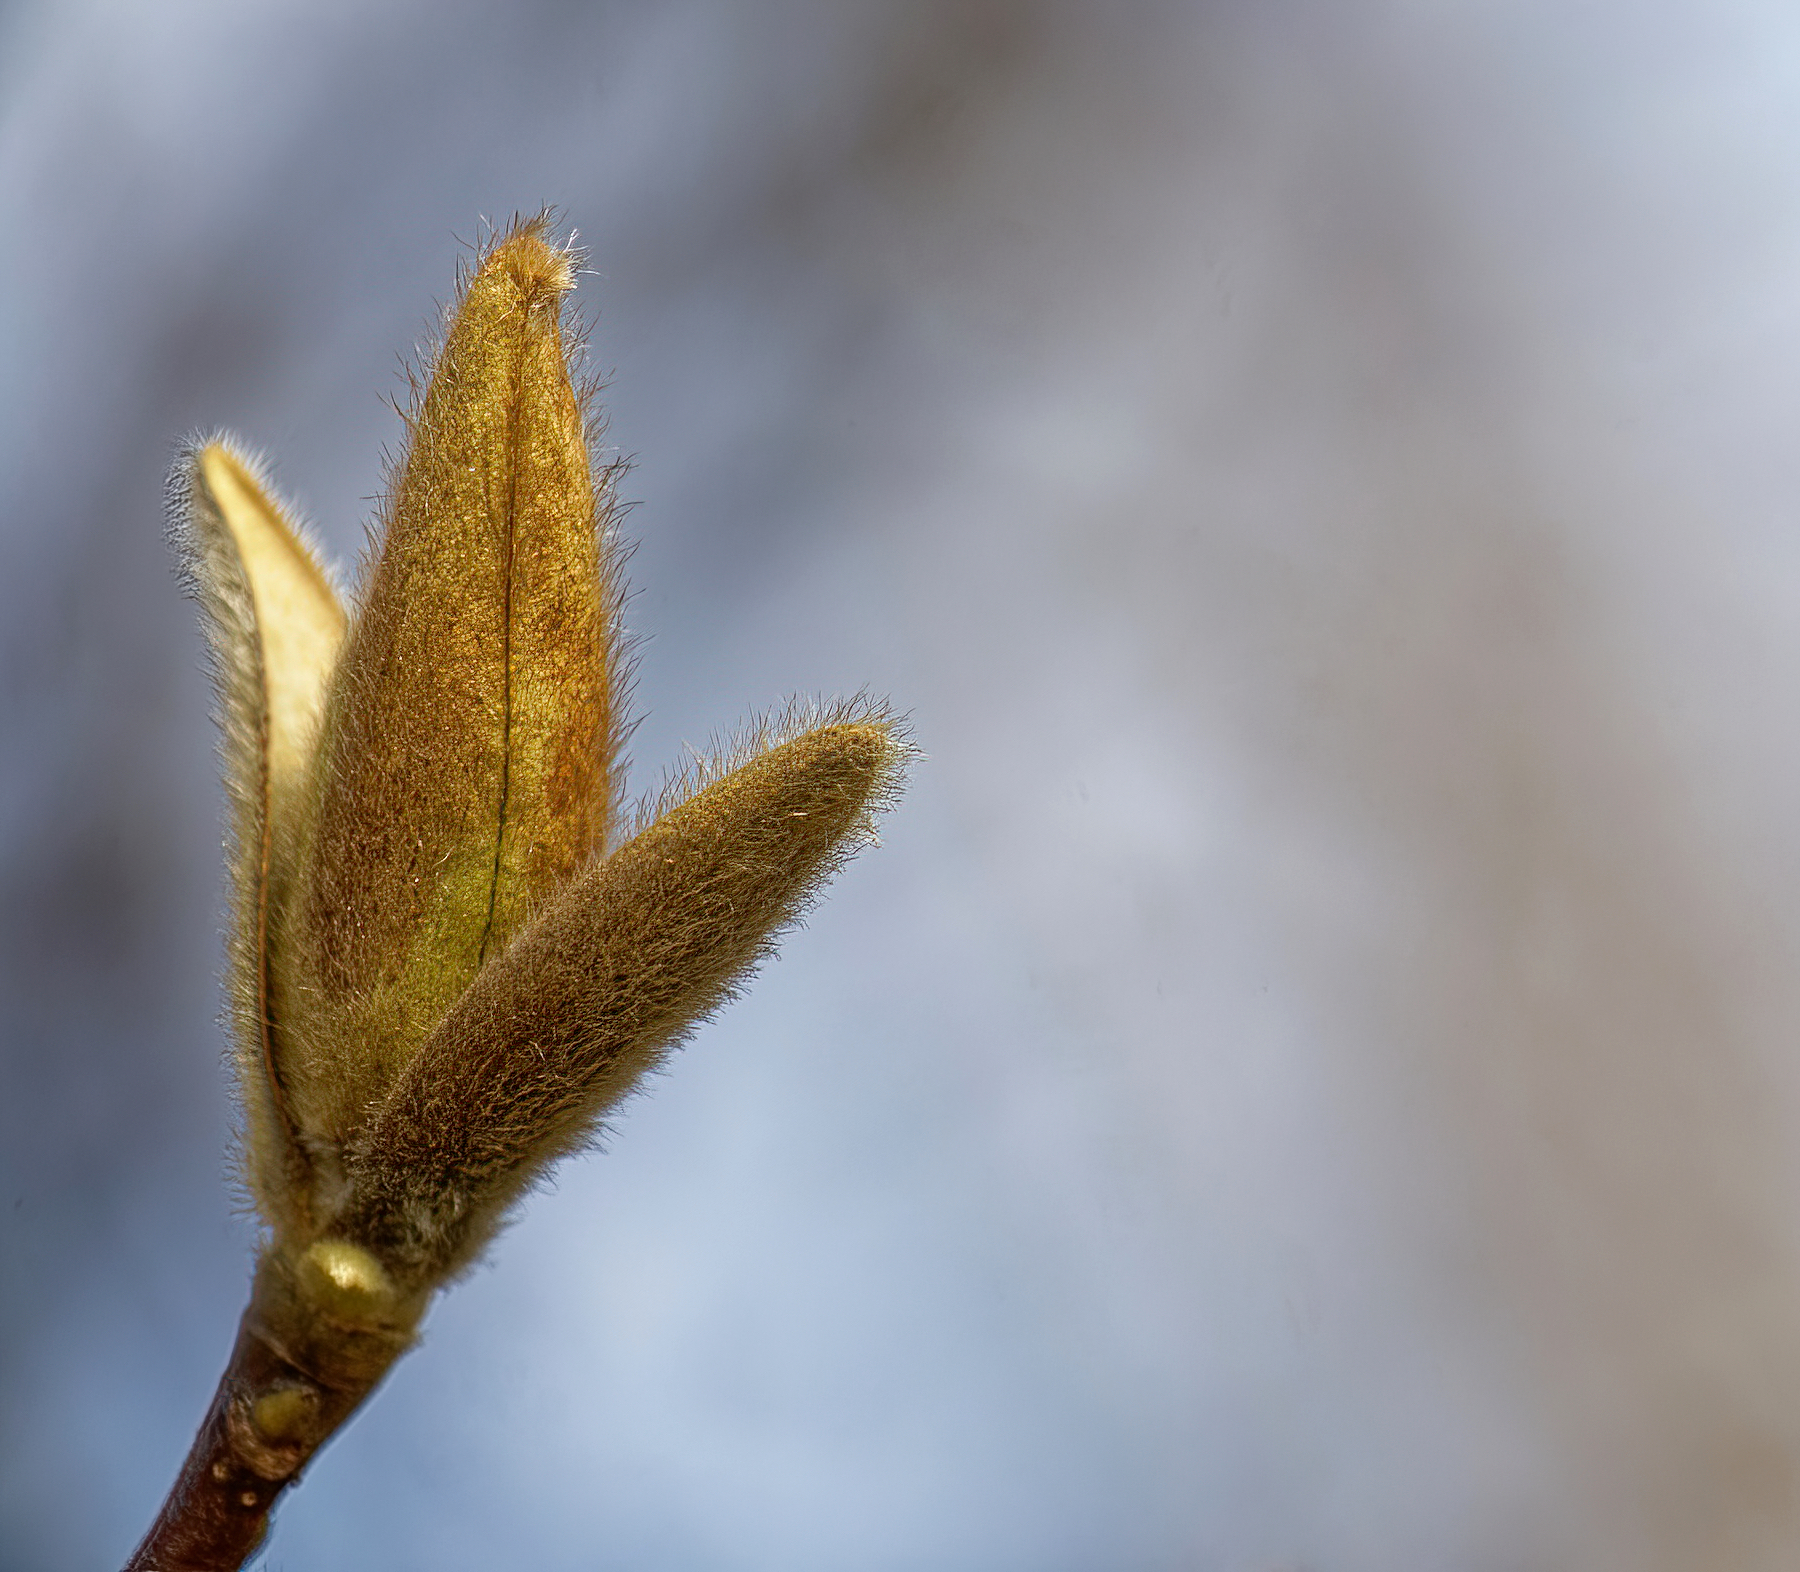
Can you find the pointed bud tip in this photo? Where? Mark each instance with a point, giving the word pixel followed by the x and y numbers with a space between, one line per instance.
pixel 865 752
pixel 530 263
pixel 876 749
pixel 234 477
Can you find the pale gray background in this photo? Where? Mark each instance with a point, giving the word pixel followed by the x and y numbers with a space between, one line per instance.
pixel 1312 1078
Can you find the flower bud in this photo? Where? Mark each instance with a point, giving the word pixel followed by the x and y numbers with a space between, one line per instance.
pixel 464 768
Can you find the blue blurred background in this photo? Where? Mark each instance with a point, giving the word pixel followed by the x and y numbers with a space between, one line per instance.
pixel 1309 1081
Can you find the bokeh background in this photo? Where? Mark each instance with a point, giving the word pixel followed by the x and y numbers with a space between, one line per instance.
pixel 1311 1079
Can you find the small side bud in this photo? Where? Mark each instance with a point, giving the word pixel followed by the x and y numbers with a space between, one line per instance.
pixel 286 1413
pixel 346 1281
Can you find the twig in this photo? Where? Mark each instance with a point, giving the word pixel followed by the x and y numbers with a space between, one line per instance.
pixel 280 1399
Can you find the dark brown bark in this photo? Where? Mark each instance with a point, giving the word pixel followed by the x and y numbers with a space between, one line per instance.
pixel 292 1381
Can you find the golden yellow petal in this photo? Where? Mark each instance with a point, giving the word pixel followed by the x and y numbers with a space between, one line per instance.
pixel 275 627
pixel 298 619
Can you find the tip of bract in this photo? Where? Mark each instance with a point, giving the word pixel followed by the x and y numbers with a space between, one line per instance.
pixel 530 262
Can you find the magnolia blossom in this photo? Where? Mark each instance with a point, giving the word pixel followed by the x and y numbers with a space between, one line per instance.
pixel 451 951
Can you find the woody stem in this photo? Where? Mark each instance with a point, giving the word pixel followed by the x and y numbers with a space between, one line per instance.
pixel 280 1399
